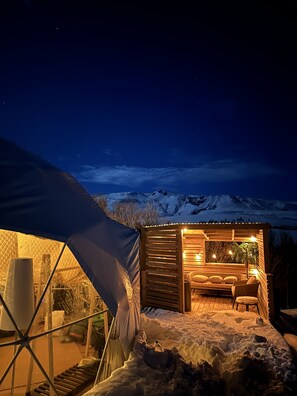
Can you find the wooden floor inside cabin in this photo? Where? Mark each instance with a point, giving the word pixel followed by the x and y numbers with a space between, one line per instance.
pixel 201 303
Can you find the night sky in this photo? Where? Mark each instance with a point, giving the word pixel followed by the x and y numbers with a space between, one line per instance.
pixel 143 96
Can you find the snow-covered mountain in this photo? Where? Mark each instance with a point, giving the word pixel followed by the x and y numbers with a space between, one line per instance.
pixel 201 208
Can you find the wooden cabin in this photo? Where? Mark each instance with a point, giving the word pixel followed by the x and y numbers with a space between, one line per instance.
pixel 169 253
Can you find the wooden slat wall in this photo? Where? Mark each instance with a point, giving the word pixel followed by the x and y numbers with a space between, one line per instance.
pixel 193 245
pixel 161 269
pixel 223 269
pixel 270 287
pixel 230 235
pixel 220 235
pixel 265 291
pixel 163 266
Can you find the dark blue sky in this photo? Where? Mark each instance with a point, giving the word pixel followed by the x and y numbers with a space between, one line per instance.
pixel 140 96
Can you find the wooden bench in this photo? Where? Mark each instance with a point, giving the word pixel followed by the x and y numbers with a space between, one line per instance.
pixel 238 272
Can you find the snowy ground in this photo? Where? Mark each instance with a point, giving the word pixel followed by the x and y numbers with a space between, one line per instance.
pixel 216 353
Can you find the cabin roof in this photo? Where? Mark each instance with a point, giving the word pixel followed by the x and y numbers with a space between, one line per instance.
pixel 215 231
pixel 213 225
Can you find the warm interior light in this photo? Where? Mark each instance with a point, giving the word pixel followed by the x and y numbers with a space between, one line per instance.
pixel 214 256
pixel 253 238
pixel 198 256
pixel 230 252
pixel 184 255
pixel 255 272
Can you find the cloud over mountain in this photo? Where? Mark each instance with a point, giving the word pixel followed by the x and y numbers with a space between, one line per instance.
pixel 215 172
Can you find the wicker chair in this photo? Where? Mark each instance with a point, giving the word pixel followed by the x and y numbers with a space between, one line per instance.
pixel 242 288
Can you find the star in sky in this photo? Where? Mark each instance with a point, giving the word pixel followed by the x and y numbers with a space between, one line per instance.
pixel 190 98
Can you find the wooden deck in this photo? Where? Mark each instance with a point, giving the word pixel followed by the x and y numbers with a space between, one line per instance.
pixel 201 303
pixel 205 303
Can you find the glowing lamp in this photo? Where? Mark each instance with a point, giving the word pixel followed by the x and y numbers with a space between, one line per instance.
pixel 253 238
pixel 255 272
pixel 214 256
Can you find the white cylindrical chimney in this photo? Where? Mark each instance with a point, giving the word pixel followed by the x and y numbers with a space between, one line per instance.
pixel 18 294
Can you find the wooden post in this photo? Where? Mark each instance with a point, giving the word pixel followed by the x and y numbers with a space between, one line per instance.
pixel 90 321
pixel 105 317
pixel 143 267
pixel 13 367
pixel 40 316
pixel 46 259
pixel 180 269
pixel 30 371
pixel 38 305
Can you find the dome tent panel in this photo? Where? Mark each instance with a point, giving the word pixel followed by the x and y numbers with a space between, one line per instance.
pixel 35 247
pixel 37 198
pixel 73 295
pixel 40 199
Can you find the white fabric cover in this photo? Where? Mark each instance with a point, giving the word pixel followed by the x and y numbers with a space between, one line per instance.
pixel 57 321
pixel 246 300
pixel 39 199
pixel 18 294
pixel 200 278
pixel 230 279
pixel 215 279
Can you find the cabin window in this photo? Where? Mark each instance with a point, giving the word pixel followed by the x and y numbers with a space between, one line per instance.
pixel 231 252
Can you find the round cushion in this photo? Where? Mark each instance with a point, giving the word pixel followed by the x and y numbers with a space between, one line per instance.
pixel 252 279
pixel 200 278
pixel 230 279
pixel 215 279
pixel 246 300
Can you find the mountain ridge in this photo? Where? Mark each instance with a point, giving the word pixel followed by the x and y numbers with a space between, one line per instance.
pixel 182 208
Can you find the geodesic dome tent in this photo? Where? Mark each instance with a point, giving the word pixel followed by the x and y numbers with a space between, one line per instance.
pixel 46 215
